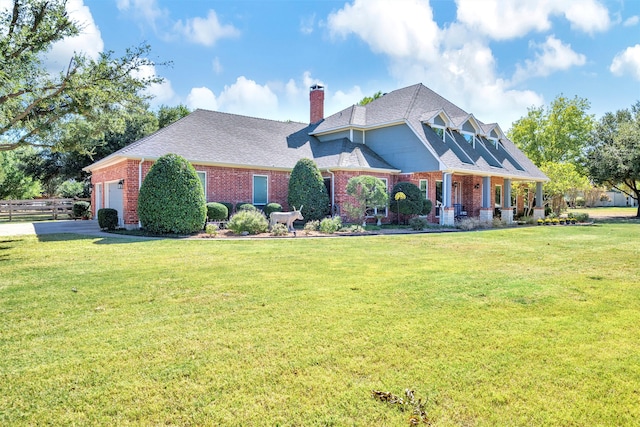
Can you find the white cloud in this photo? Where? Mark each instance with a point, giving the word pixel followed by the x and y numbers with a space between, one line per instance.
pixel 205 31
pixel 455 62
pixel 216 65
pixel 588 16
pixel 145 10
pixel 502 20
pixel 552 56
pixel 274 100
pixel 307 24
pixel 202 97
pixel 396 29
pixel 248 98
pixel 163 93
pixel 631 21
pixel 627 62
pixel 89 41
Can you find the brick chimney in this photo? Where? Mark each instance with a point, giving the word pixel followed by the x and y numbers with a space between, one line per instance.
pixel 316 103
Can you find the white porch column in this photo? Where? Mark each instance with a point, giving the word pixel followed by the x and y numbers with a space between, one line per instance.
pixel 447 214
pixel 538 211
pixel 486 211
pixel 507 211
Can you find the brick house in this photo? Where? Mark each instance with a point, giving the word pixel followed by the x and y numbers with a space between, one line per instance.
pixel 466 167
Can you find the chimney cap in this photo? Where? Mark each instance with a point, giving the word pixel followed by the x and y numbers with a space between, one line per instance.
pixel 316 86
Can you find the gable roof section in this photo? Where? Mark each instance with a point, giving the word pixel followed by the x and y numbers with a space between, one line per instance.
pixel 418 107
pixel 210 137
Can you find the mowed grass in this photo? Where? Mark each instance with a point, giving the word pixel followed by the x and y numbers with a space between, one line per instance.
pixel 526 326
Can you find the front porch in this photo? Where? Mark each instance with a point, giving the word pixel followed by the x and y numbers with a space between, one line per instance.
pixel 459 196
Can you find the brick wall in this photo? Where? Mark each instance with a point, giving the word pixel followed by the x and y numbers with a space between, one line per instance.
pixel 235 185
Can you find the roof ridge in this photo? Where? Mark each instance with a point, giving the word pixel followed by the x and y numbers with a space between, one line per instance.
pixel 413 100
pixel 249 117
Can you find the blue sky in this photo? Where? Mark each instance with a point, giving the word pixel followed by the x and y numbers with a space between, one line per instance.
pixel 493 58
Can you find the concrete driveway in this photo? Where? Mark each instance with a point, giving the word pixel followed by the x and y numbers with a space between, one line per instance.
pixel 89 228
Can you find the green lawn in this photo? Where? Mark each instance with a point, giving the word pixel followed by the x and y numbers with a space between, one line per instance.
pixel 608 212
pixel 533 326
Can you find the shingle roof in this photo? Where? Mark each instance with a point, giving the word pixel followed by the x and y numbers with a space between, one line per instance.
pixel 211 137
pixel 415 105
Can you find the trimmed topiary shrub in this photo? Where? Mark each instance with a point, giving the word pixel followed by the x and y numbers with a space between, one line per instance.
pixel 81 209
pixel 244 206
pixel 248 221
pixel 272 207
pixel 307 189
pixel 413 204
pixel 427 205
pixel 171 198
pixel 107 219
pixel 217 211
pixel 229 208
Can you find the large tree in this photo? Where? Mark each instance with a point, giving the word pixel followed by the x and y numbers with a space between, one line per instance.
pixel 614 158
pixel 34 102
pixel 557 134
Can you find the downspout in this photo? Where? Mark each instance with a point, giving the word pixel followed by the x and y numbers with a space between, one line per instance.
pixel 140 184
pixel 333 192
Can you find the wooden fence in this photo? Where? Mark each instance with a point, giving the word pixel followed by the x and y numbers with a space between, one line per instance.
pixel 48 208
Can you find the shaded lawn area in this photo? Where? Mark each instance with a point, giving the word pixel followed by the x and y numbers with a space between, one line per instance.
pixel 526 326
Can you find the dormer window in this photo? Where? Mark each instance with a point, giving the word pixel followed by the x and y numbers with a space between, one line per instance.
pixel 439 132
pixel 468 137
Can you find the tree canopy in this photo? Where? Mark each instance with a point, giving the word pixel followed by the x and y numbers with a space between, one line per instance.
pixel 368 192
pixel 34 102
pixel 368 99
pixel 558 133
pixel 614 158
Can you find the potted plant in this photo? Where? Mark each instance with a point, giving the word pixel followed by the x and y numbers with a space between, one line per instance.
pixel 547 221
pixel 540 221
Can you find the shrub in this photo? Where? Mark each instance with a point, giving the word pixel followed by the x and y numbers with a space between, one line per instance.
pixel 279 230
pixel 212 229
pixel 353 228
pixel 81 209
pixel 217 211
pixel 498 222
pixel 413 204
pixel 229 207
pixel 171 198
pixel 310 226
pixel 244 206
pixel 418 223
pixel 427 205
pixel 579 216
pixel 248 221
pixel 330 225
pixel 107 219
pixel 472 224
pixel 580 201
pixel 272 207
pixel 307 189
